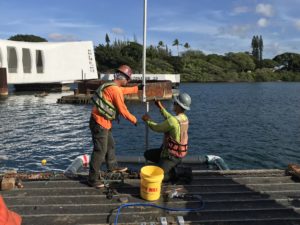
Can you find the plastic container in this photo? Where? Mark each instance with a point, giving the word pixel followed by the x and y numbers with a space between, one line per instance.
pixel 78 163
pixel 151 179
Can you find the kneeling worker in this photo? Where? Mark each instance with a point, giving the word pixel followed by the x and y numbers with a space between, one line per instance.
pixel 175 129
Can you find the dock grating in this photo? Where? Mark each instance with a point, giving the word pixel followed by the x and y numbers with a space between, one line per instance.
pixel 230 198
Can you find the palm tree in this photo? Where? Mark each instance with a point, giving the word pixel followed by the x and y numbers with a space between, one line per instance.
pixel 176 43
pixel 160 44
pixel 186 45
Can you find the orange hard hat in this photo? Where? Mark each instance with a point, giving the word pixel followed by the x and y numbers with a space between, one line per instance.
pixel 125 70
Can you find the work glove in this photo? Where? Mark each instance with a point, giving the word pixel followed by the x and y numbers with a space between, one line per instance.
pixel 140 86
pixel 158 104
pixel 145 117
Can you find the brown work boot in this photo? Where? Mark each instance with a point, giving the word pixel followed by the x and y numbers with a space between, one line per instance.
pixel 119 169
pixel 96 184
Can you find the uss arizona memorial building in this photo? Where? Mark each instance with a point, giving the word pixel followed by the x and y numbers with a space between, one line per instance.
pixel 47 62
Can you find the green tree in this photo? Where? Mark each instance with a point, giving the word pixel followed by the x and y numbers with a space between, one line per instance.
pixel 261 48
pixel 266 74
pixel 133 52
pixel 160 44
pixel 191 54
pixel 186 45
pixel 291 61
pixel 242 60
pixel 269 63
pixel 176 43
pixel 157 65
pixel 176 62
pixel 255 47
pixel 27 38
pixel 222 62
pixel 107 40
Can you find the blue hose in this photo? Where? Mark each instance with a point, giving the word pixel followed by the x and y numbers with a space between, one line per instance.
pixel 156 206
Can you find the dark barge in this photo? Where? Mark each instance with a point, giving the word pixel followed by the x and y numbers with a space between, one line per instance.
pixel 229 197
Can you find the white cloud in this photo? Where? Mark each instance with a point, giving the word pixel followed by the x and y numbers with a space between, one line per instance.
pixel 273 49
pixel 297 24
pixel 13 22
pixel 71 24
pixel 61 37
pixel 279 48
pixel 262 22
pixel 117 30
pixel 265 9
pixel 236 30
pixel 197 28
pixel 240 10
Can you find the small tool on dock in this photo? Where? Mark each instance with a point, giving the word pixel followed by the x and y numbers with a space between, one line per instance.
pixel 110 192
pixel 123 199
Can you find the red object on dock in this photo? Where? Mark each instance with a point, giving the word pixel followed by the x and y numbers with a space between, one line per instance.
pixel 3 82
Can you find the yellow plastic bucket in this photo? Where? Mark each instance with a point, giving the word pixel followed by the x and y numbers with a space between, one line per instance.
pixel 151 178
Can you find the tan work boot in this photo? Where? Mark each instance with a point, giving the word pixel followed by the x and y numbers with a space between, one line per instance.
pixel 119 169
pixel 96 184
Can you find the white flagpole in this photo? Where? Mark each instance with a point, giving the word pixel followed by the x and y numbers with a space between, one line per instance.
pixel 144 66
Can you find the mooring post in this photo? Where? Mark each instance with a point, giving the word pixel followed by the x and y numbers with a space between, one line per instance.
pixel 3 82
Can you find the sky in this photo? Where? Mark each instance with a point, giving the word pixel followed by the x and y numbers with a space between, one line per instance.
pixel 211 26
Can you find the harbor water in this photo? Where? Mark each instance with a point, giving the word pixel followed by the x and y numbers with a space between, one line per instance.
pixel 249 125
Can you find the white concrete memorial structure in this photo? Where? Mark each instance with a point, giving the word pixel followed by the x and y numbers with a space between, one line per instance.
pixel 47 62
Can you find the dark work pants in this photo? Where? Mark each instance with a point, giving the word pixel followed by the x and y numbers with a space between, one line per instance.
pixel 104 150
pixel 167 164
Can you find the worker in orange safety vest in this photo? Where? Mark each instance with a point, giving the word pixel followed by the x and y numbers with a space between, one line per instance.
pixel 108 102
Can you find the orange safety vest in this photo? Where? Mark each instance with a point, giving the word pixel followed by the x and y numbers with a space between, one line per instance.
pixel 179 149
pixel 8 217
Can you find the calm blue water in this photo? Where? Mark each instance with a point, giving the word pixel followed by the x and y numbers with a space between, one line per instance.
pixel 250 125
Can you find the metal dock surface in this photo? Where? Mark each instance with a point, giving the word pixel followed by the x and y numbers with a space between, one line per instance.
pixel 230 197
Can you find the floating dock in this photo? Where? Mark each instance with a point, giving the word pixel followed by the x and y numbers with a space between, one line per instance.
pixel 154 89
pixel 229 197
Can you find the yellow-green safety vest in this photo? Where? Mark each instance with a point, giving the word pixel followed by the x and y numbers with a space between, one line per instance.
pixel 105 108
